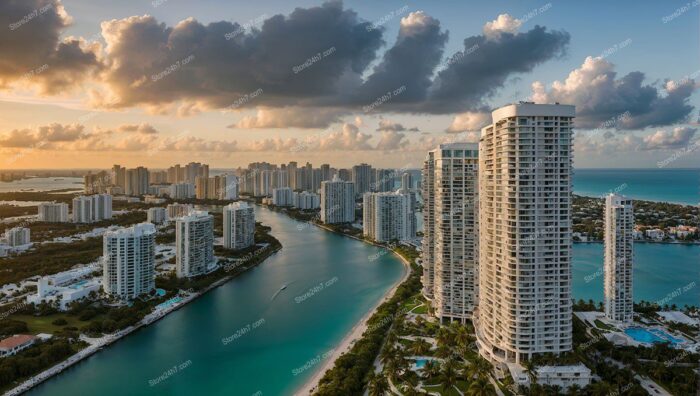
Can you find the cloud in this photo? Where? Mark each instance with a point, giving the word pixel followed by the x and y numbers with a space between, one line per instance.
pixel 503 24
pixel 306 69
pixel 408 63
pixel 348 138
pixel 289 117
pixel 147 58
pixel 599 96
pixel 474 74
pixel 313 59
pixel 195 144
pixel 469 121
pixel 34 54
pixel 663 140
pixel 391 140
pixel 143 128
pixel 387 126
pixel 43 136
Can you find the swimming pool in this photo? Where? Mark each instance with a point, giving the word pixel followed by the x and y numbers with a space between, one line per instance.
pixel 420 363
pixel 651 336
pixel 169 303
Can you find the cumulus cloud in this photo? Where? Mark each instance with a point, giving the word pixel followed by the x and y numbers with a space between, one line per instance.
pixel 34 54
pixel 600 97
pixel 469 121
pixel 409 62
pixel 664 140
pixel 152 64
pixel 143 128
pixel 387 126
pixel 505 23
pixel 484 65
pixel 391 140
pixel 43 136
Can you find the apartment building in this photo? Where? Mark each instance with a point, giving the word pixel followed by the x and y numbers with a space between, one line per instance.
pixel 129 261
pixel 194 244
pixel 239 225
pixel 387 216
pixel 450 250
pixel 337 201
pixel 525 222
pixel 619 256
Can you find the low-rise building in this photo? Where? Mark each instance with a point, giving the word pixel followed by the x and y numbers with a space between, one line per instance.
pixel 64 288
pixel 562 376
pixel 152 199
pixel 18 342
pixel 656 234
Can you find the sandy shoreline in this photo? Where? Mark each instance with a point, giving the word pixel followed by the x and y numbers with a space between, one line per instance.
pixel 357 330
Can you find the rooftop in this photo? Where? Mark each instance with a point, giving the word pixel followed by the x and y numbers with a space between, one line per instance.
pixel 15 341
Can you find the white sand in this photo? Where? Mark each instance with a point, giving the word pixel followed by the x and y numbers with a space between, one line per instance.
pixel 354 335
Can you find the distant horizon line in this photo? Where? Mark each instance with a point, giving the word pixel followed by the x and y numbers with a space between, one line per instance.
pixel 234 168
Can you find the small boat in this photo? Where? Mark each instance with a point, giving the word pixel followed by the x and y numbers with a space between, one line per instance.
pixel 279 291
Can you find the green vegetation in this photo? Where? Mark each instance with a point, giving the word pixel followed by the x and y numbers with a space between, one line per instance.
pixel 49 259
pixel 15 369
pixel 352 370
pixel 14 211
pixel 41 196
pixel 588 216
pixel 41 231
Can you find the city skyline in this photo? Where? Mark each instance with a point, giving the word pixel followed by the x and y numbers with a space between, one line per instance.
pixel 322 101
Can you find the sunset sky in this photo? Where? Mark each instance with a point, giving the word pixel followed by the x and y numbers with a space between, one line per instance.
pixel 91 83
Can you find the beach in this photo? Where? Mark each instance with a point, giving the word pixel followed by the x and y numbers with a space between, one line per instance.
pixel 356 332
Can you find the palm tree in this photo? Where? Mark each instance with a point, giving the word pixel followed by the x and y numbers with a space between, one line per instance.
pixel 480 387
pixel 479 368
pixel 573 390
pixel 431 368
pixel 378 385
pixel 601 388
pixel 387 354
pixel 530 370
pixel 448 375
pixel 420 347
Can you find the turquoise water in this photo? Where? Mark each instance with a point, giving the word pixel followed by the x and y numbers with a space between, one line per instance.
pixel 267 341
pixel 652 336
pixel 665 185
pixel 662 272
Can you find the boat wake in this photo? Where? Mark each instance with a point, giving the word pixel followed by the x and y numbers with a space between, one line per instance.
pixel 280 291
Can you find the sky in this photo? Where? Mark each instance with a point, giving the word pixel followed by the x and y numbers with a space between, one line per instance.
pixel 91 83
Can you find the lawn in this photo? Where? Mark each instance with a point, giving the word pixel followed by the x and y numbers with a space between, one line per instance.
pixel 602 325
pixel 43 324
